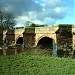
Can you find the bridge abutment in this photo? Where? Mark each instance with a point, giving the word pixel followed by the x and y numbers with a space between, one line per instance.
pixel 43 36
pixel 29 37
pixel 10 37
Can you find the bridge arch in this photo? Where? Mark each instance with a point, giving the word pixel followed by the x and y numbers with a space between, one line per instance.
pixel 19 40
pixel 46 42
pixel 5 40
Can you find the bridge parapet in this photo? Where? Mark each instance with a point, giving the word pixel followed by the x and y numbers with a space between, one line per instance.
pixel 19 31
pixel 33 34
pixel 10 31
pixel 29 30
pixel 49 29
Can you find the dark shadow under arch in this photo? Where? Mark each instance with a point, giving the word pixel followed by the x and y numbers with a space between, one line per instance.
pixel 45 42
pixel 5 41
pixel 20 40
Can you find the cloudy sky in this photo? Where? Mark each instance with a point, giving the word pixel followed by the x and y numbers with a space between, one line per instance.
pixel 41 11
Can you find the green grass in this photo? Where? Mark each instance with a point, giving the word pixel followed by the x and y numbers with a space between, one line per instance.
pixel 36 65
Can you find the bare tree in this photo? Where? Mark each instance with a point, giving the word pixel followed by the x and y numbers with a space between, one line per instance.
pixel 31 24
pixel 6 20
pixel 1 19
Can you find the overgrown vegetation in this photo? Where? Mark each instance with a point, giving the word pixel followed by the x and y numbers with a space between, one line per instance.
pixel 37 51
pixel 36 65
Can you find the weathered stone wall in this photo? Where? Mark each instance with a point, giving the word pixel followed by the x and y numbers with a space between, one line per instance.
pixel 40 36
pixel 74 39
pixel 13 35
pixel 73 31
pixel 45 32
pixel 2 36
pixel 18 33
pixel 29 39
pixel 10 37
pixel 1 39
pixel 33 35
pixel 64 37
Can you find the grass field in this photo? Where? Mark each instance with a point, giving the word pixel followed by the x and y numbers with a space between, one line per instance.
pixel 36 65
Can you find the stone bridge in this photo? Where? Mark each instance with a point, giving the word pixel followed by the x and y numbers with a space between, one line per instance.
pixel 15 36
pixel 12 36
pixel 39 35
pixel 45 37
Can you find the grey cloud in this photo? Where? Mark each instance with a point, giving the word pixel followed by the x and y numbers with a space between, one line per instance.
pixel 34 11
pixel 18 6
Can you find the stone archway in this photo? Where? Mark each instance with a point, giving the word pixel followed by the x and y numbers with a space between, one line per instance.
pixel 47 43
pixel 19 40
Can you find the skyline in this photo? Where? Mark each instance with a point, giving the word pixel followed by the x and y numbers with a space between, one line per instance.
pixel 48 12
